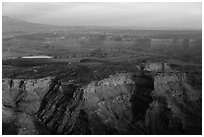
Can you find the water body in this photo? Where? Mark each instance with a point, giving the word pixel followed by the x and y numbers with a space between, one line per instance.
pixel 37 57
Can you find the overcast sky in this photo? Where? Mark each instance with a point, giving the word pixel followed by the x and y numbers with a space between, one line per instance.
pixel 108 14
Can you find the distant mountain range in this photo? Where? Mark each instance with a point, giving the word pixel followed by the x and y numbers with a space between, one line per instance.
pixel 16 26
pixel 12 25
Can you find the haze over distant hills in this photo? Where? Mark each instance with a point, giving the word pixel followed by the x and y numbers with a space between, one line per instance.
pixel 135 14
pixel 102 68
pixel 26 36
pixel 12 25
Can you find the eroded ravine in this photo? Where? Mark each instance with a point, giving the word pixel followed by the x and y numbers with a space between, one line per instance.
pixel 18 109
pixel 125 103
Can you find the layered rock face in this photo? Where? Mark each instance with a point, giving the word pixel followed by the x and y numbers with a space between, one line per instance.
pixel 35 88
pixel 161 43
pixel 21 100
pixel 179 43
pixel 157 67
pixel 187 49
pixel 109 106
pixel 62 110
pixel 176 107
pixel 149 102
pixel 113 104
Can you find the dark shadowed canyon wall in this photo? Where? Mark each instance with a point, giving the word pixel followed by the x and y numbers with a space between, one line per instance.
pixel 150 102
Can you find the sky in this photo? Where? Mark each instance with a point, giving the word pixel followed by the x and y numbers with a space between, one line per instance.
pixel 108 14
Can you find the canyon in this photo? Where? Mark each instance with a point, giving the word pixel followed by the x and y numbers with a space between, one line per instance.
pixel 149 101
pixel 67 80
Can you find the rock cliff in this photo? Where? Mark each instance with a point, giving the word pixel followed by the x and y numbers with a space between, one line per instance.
pixel 21 100
pixel 126 103
pixel 176 107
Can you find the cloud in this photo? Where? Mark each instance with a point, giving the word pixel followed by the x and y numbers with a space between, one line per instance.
pixel 109 14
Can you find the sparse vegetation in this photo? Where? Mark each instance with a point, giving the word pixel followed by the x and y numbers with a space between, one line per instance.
pixel 89 55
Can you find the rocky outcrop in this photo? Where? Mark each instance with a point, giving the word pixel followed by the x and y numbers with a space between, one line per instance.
pixel 149 102
pixel 114 104
pixel 35 89
pixel 157 67
pixel 21 100
pixel 109 106
pixel 62 110
pixel 176 107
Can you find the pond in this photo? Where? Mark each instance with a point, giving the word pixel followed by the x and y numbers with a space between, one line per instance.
pixel 37 57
